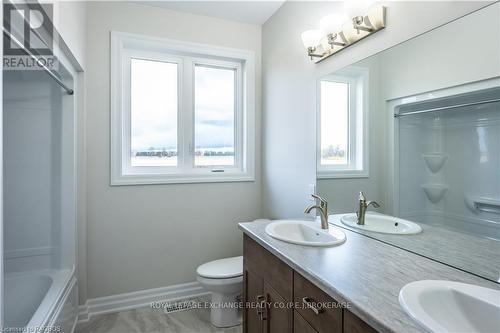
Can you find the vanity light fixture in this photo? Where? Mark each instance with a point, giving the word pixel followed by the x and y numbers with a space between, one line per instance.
pixel 356 10
pixel 311 40
pixel 359 19
pixel 331 25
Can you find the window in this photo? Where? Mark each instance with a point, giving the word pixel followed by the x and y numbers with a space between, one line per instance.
pixel 342 152
pixel 181 112
pixel 215 105
pixel 153 108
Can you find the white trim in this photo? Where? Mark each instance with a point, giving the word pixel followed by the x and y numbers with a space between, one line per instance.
pixel 1 192
pixel 244 63
pixel 138 299
pixel 57 314
pixel 69 188
pixel 333 174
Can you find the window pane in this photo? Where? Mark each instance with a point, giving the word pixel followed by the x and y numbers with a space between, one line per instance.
pixel 214 116
pixel 334 122
pixel 153 113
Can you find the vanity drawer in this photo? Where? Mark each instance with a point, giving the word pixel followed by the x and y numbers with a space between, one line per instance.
pixel 352 324
pixel 300 325
pixel 275 272
pixel 309 299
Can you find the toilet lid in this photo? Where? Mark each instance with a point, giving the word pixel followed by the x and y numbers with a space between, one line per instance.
pixel 222 268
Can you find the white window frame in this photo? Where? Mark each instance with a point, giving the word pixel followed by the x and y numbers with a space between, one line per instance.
pixel 124 47
pixel 358 150
pixel 238 107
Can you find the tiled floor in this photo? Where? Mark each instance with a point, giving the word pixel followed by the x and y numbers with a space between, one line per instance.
pixel 145 320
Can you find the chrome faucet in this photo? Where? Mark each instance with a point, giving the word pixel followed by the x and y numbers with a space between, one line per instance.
pixel 322 208
pixel 363 205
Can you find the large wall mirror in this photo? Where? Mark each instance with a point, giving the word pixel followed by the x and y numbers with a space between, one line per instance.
pixel 417 129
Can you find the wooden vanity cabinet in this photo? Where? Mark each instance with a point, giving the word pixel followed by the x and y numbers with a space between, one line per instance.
pixel 352 324
pixel 276 318
pixel 280 300
pixel 268 284
pixel 252 291
pixel 321 311
pixel 301 325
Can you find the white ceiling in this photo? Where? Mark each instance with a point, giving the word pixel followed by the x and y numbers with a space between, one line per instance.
pixel 253 12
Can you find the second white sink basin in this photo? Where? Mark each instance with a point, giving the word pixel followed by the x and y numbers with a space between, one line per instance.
pixel 307 233
pixel 446 306
pixel 384 224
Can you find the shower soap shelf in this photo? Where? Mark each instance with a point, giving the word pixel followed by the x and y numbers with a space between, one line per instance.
pixel 435 192
pixel 483 204
pixel 435 161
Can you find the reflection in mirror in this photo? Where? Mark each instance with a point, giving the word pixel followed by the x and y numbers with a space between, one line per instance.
pixel 417 128
pixel 341 115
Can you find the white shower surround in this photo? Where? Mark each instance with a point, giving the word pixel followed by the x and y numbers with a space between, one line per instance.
pixel 431 208
pixel 39 277
pixel 34 299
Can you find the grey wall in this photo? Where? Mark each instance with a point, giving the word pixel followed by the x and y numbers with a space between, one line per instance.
pixel 69 19
pixel 289 103
pixel 141 237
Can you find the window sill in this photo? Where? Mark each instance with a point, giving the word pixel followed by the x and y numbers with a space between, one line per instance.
pixel 343 174
pixel 155 179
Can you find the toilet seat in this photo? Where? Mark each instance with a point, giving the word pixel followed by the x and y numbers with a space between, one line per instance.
pixel 222 268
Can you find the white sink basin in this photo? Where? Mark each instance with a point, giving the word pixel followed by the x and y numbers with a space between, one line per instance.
pixel 445 306
pixel 307 233
pixel 384 224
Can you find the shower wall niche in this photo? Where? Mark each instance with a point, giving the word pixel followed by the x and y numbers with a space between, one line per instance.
pixel 448 162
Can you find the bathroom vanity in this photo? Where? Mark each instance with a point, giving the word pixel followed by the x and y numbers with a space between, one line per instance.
pixel 273 287
pixel 352 287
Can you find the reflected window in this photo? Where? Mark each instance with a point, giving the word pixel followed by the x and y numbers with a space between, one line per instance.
pixel 334 122
pixel 341 129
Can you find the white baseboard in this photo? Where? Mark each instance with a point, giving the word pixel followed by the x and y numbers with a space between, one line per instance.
pixel 138 299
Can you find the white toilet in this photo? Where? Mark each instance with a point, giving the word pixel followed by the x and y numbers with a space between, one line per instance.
pixel 224 279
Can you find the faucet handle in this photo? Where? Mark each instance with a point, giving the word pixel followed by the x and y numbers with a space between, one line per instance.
pixel 362 196
pixel 322 201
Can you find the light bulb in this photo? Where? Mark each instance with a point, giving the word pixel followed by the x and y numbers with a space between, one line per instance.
pixel 311 38
pixel 332 23
pixel 325 46
pixel 350 33
pixel 376 16
pixel 355 8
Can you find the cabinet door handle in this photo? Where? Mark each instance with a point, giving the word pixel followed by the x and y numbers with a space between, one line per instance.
pixel 261 307
pixel 311 304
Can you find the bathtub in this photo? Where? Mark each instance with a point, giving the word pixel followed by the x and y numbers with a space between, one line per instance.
pixel 34 300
